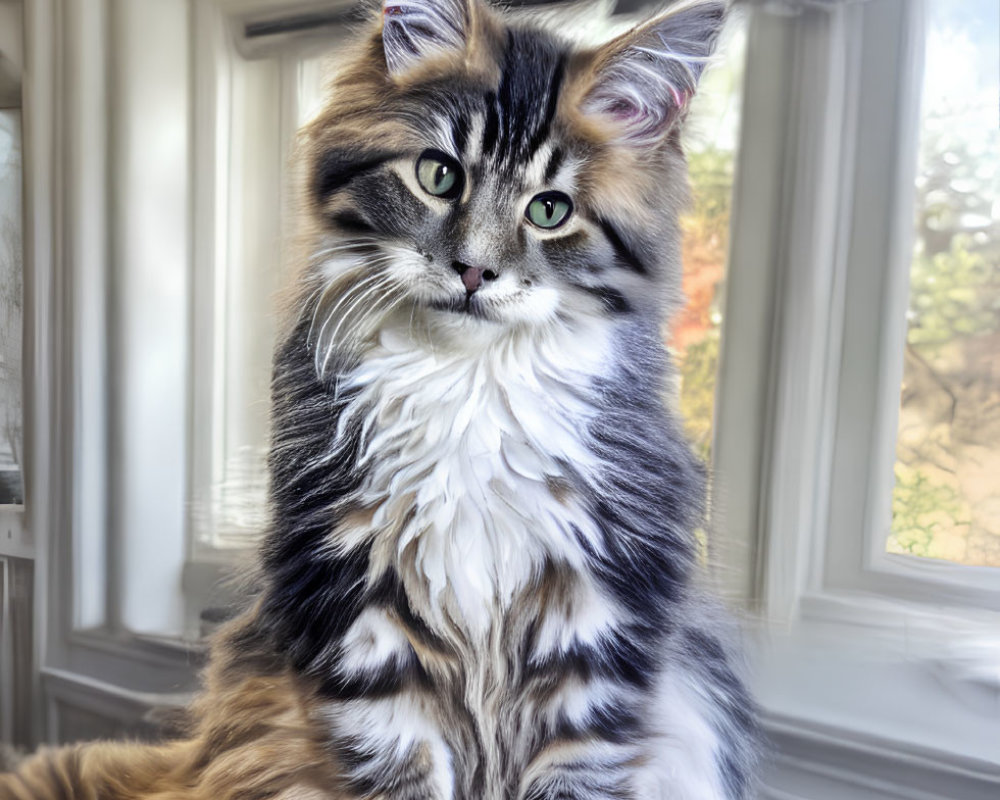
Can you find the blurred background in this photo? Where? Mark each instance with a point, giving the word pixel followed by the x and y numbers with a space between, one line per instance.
pixel 839 361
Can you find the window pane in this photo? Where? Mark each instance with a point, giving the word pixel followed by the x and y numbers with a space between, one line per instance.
pixel 946 502
pixel 710 143
pixel 10 307
pixel 257 152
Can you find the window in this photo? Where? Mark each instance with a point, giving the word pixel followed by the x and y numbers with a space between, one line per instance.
pixel 710 143
pixel 946 502
pixel 16 551
pixel 11 302
pixel 868 663
pixel 243 260
pixel 879 240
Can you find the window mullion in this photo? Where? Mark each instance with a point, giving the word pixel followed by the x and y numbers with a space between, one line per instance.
pixel 880 249
pixel 809 268
pixel 773 408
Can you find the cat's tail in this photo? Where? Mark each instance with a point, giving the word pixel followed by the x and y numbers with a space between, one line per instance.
pixel 98 771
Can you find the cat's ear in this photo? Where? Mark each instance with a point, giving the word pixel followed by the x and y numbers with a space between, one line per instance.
pixel 415 30
pixel 642 81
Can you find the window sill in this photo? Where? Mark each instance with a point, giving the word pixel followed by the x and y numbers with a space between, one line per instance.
pixel 810 761
pixel 874 695
pixel 14 539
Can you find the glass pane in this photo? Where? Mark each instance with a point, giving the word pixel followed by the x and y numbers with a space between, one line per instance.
pixel 11 301
pixel 257 152
pixel 946 502
pixel 710 143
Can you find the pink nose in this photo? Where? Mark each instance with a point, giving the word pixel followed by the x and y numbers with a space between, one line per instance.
pixel 473 277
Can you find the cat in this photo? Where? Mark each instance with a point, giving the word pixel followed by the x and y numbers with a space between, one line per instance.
pixel 481 579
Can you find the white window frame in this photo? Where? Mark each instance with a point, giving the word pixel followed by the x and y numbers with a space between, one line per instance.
pixel 875 312
pixel 877 674
pixel 14 536
pixel 243 206
pixel 128 284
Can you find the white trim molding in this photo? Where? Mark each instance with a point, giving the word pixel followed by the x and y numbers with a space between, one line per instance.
pixel 144 192
pixel 877 683
pixel 818 761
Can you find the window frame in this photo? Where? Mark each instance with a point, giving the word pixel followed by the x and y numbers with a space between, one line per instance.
pixel 86 318
pixel 875 311
pixel 15 539
pixel 804 447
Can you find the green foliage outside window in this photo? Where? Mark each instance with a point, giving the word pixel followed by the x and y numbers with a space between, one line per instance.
pixel 696 332
pixel 946 502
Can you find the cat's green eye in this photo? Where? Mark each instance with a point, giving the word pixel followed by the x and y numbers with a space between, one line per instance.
pixel 439 175
pixel 549 209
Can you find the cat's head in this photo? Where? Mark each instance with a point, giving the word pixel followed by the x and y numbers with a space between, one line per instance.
pixel 483 174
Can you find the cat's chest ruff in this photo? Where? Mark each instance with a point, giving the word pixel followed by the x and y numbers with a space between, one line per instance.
pixel 470 460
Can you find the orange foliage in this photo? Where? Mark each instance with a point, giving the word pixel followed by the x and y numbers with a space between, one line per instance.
pixel 704 259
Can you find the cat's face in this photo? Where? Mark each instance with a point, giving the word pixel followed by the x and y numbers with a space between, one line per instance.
pixel 479 173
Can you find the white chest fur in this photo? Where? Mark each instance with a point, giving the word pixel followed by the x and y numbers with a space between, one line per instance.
pixel 466 451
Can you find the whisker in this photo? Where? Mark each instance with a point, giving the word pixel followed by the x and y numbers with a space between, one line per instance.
pixel 413 311
pixel 336 285
pixel 334 337
pixel 329 314
pixel 383 304
pixel 342 248
pixel 373 289
pixel 354 287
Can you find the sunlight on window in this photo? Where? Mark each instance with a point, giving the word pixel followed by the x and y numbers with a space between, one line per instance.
pixel 234 513
pixel 710 143
pixel 946 502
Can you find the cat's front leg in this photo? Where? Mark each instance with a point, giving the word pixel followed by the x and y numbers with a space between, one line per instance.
pixel 581 770
pixel 389 748
pixel 589 717
pixel 381 717
pixel 672 732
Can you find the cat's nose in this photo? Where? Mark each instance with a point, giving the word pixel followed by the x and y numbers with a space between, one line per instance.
pixel 473 277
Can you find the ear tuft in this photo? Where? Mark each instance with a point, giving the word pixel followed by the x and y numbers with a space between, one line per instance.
pixel 413 30
pixel 646 77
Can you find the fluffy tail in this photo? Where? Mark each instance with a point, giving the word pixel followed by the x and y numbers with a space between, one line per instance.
pixel 93 772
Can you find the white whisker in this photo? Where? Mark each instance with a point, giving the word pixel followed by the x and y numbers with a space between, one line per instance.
pixel 361 285
pixel 334 338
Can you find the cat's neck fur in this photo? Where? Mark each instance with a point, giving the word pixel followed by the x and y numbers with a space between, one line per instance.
pixel 471 438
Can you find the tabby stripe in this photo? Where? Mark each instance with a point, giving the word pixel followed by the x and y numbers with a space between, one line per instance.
pixel 491 130
pixel 613 299
pixel 617 657
pixel 371 773
pixel 337 168
pixel 504 103
pixel 352 222
pixel 460 133
pixel 555 162
pixel 622 250
pixel 542 133
pixel 617 724
pixel 388 679
pixel 389 591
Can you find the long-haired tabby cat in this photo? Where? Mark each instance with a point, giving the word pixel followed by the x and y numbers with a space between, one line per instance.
pixel 480 582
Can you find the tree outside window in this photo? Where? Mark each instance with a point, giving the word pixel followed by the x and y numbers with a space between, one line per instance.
pixel 946 502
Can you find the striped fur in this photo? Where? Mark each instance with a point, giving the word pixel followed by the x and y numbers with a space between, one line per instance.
pixel 480 581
